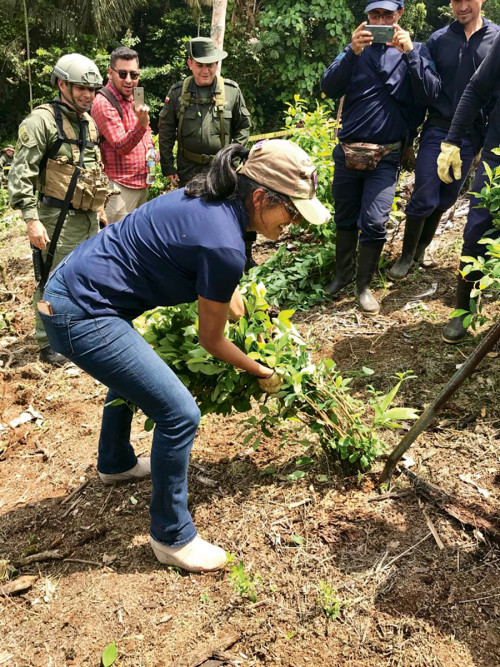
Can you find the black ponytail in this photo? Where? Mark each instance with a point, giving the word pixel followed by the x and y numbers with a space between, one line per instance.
pixel 221 180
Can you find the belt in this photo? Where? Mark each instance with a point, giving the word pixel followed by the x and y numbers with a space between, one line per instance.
pixel 435 121
pixel 199 158
pixel 53 202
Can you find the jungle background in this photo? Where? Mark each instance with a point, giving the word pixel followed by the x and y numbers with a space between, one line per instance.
pixel 277 48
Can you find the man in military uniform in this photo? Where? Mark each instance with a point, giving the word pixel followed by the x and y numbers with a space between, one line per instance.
pixel 58 156
pixel 203 114
pixel 5 163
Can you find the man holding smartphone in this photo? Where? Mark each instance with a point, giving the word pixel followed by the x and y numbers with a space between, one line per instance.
pixel 457 51
pixel 386 87
pixel 125 133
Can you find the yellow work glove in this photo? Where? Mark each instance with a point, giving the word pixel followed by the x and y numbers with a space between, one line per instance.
pixel 449 158
pixel 271 384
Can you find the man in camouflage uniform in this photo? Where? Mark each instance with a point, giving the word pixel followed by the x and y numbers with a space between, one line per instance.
pixel 203 114
pixel 45 160
pixel 5 163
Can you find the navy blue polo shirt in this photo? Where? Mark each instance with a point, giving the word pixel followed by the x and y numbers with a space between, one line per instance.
pixel 457 59
pixel 483 88
pixel 386 91
pixel 169 251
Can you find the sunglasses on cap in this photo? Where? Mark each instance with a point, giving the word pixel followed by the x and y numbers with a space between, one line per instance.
pixel 123 73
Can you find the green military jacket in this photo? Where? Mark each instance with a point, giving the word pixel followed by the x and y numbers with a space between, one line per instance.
pixel 37 134
pixel 5 162
pixel 201 127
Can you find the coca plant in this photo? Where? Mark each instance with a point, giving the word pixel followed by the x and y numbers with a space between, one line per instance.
pixel 313 397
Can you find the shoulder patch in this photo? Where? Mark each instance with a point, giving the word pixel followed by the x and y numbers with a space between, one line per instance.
pixel 26 137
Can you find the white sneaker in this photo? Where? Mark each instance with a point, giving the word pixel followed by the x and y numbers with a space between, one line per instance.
pixel 195 556
pixel 141 469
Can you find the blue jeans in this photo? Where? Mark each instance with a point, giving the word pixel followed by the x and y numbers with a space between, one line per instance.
pixel 112 351
pixel 363 199
pixel 429 192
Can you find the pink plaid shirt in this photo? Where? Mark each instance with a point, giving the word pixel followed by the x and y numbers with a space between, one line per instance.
pixel 125 141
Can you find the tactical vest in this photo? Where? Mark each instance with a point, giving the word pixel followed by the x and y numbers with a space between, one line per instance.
pixel 186 100
pixel 92 186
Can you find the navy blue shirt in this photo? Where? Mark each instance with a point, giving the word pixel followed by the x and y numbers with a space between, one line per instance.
pixel 483 86
pixel 386 91
pixel 169 251
pixel 456 59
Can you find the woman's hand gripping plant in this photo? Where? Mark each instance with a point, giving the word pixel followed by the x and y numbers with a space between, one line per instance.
pixel 312 396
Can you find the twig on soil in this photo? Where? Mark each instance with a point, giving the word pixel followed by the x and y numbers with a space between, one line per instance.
pixel 390 496
pixel 433 529
pixel 486 597
pixel 37 558
pixel 71 507
pixel 205 650
pixel 84 562
pixel 465 514
pixel 106 501
pixel 74 493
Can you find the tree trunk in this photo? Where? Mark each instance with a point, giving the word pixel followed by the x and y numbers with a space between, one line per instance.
pixel 218 24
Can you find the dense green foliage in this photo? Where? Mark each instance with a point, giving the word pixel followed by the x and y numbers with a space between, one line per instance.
pixel 313 396
pixel 277 48
pixel 489 265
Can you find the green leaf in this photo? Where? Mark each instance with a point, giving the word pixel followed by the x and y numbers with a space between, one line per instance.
pixel 367 371
pixel 296 475
pixel 109 655
pixel 133 500
pixel 149 424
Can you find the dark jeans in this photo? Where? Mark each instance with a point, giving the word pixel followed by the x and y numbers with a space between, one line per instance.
pixel 112 351
pixel 429 192
pixel 363 199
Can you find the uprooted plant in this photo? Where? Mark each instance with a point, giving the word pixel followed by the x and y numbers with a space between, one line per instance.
pixel 313 396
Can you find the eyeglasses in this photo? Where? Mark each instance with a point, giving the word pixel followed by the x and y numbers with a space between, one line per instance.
pixel 123 73
pixel 376 16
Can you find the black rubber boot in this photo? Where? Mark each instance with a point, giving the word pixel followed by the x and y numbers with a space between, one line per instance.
pixel 345 265
pixel 454 331
pixel 250 238
pixel 48 356
pixel 368 257
pixel 428 232
pixel 413 230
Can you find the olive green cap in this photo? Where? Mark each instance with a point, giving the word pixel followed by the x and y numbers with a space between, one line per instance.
pixel 202 49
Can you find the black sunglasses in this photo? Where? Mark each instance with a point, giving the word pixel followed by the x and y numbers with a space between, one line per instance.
pixel 122 73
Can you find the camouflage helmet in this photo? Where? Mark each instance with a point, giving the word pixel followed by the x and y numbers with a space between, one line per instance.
pixel 9 147
pixel 75 68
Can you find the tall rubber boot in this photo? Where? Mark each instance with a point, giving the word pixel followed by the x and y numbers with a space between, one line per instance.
pixel 368 257
pixel 413 231
pixel 250 238
pixel 428 232
pixel 454 331
pixel 345 264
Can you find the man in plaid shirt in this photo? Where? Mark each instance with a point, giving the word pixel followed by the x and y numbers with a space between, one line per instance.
pixel 125 134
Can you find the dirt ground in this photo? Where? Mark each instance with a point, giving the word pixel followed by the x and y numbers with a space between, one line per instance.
pixel 334 574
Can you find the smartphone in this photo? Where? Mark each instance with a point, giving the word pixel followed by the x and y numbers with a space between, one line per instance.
pixel 139 95
pixel 381 33
pixel 44 307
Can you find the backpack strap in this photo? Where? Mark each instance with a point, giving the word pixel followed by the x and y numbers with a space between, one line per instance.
pixel 220 103
pixel 105 92
pixel 185 102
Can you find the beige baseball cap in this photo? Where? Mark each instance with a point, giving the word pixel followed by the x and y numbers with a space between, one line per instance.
pixel 284 167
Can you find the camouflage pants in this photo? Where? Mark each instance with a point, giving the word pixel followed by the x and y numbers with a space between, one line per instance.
pixel 78 226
